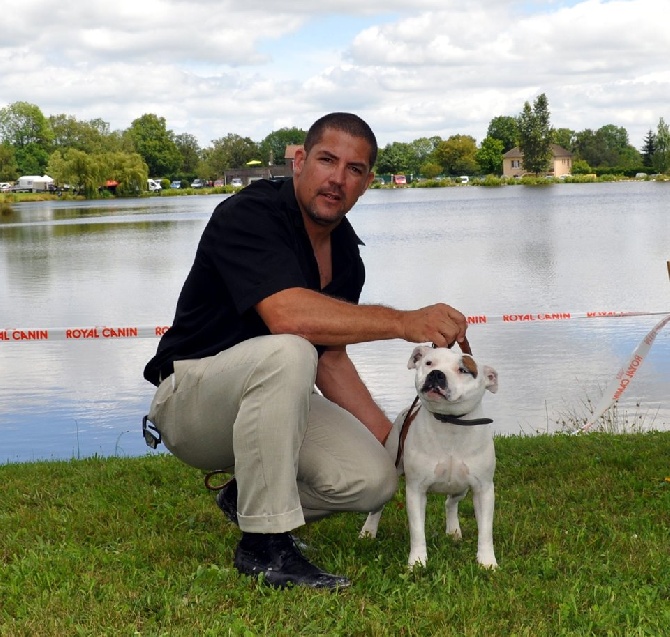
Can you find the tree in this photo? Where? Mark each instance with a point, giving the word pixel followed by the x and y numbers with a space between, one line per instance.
pixel 22 123
pixel 457 155
pixel 231 151
pixel 648 148
pixel 535 135
pixel 505 129
pixel 128 169
pixel 489 156
pixel 661 157
pixel 23 126
pixel 421 152
pixel 77 168
pixel 155 144
pixel 608 146
pixel 430 170
pixel 394 158
pixel 565 138
pixel 9 169
pixel 188 147
pixel 273 148
pixel 89 171
pixel 68 132
pixel 581 167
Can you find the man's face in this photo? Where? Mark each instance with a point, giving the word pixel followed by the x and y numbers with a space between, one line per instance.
pixel 330 179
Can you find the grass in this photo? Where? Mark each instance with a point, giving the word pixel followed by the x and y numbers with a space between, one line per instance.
pixel 136 546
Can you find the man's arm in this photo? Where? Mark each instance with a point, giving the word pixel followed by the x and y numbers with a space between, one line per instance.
pixel 338 380
pixel 324 320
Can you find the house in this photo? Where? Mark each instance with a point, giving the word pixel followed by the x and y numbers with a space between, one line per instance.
pixel 560 164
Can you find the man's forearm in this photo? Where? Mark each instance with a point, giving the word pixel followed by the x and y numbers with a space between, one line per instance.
pixel 327 321
pixel 339 381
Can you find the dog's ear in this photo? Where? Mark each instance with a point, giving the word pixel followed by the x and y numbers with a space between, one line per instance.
pixel 418 353
pixel 491 376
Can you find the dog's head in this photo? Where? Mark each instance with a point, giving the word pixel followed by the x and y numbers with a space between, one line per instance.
pixel 450 382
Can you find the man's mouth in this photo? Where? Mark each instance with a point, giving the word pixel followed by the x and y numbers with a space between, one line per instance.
pixel 331 196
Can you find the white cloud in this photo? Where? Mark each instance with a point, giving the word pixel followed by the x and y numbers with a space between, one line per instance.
pixel 432 68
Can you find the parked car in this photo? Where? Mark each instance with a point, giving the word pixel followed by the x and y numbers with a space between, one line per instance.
pixel 5 187
pixel 236 182
pixel 198 183
pixel 175 184
pixel 219 183
pixel 153 185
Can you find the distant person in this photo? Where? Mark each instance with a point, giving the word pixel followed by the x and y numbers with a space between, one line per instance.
pixel 264 317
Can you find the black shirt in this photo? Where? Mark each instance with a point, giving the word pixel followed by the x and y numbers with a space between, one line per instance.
pixel 254 245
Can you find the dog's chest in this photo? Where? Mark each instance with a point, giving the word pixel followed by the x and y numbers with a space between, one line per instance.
pixel 441 473
pixel 446 463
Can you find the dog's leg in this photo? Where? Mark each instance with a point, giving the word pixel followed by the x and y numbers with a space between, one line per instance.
pixel 484 503
pixel 370 527
pixel 451 512
pixel 416 513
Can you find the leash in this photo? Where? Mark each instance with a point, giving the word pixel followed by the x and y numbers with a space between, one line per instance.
pixel 453 420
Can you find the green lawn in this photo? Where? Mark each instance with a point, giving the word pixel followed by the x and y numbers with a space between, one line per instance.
pixel 136 546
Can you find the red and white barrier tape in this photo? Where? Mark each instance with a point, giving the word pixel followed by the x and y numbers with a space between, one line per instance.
pixel 612 393
pixel 625 375
pixel 108 332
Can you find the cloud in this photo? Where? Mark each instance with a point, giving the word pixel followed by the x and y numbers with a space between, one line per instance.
pixel 432 68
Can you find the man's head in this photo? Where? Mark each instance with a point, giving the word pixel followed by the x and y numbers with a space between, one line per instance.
pixel 334 167
pixel 348 123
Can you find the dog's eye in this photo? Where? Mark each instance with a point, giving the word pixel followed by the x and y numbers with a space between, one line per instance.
pixel 464 370
pixel 429 363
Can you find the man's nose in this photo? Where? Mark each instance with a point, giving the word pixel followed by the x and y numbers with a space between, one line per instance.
pixel 338 173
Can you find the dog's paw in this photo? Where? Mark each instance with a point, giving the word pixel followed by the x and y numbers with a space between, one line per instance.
pixel 455 534
pixel 488 562
pixel 417 561
pixel 367 533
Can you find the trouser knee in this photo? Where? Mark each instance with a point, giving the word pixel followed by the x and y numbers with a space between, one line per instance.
pixel 290 360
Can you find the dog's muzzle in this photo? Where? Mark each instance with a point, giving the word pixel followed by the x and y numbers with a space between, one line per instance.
pixel 436 380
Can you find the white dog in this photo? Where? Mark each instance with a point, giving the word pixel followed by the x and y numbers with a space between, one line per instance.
pixel 443 445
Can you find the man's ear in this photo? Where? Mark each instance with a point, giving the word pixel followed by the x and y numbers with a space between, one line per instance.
pixel 299 160
pixel 371 178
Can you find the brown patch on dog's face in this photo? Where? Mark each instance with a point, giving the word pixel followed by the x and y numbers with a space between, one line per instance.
pixel 470 365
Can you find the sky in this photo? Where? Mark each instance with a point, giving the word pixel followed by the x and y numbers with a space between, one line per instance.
pixel 410 68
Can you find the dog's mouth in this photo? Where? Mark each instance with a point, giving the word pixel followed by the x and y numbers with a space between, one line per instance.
pixel 435 386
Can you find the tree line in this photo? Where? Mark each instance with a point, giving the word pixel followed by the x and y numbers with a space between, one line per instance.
pixel 87 153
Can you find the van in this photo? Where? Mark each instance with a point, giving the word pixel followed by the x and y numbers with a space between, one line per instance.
pixel 153 185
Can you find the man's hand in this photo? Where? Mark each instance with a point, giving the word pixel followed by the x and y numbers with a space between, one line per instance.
pixel 440 324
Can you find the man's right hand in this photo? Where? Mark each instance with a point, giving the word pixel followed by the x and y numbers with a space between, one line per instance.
pixel 440 324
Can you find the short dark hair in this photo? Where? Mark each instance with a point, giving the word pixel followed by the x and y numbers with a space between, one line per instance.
pixel 347 123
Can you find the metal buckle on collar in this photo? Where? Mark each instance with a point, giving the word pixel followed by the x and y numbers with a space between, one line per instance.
pixel 151 435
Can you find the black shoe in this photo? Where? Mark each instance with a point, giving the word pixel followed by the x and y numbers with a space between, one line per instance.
pixel 226 499
pixel 277 558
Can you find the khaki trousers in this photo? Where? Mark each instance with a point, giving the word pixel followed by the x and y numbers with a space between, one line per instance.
pixel 253 410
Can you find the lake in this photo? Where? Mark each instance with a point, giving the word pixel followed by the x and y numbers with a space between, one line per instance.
pixel 515 251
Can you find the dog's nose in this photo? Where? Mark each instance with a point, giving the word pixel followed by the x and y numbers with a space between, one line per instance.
pixel 436 378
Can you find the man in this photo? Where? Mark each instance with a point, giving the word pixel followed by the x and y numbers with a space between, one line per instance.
pixel 265 315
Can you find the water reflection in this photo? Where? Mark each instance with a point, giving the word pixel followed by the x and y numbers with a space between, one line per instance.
pixel 520 250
